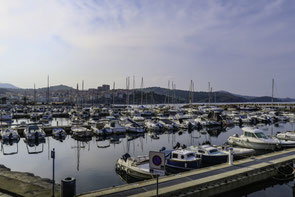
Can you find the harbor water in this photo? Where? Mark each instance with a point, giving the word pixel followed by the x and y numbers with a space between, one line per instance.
pixel 92 162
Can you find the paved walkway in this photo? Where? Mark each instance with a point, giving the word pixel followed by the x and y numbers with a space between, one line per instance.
pixel 146 188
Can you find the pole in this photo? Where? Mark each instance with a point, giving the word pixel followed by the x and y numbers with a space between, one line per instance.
pixel 157 185
pixel 53 181
pixel 230 156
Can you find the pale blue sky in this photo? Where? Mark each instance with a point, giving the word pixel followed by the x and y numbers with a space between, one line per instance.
pixel 237 45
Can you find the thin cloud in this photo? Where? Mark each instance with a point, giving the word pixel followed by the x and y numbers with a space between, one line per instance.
pixel 104 41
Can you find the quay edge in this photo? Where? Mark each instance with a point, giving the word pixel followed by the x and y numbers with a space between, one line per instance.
pixel 245 172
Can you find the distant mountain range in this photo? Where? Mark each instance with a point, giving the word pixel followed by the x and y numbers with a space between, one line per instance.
pixel 165 95
pixel 57 88
pixel 218 96
pixel 8 86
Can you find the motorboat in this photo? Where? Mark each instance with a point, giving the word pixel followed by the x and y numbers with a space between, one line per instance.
pixel 152 125
pixel 81 132
pixel 288 135
pixel 133 127
pixel 137 167
pixel 209 154
pixel 117 128
pixel 183 159
pixel 287 143
pixel 238 152
pixel 59 133
pixel 169 124
pixel 9 135
pixel 34 132
pixel 5 116
pixel 254 138
pixel 97 131
pixel 139 120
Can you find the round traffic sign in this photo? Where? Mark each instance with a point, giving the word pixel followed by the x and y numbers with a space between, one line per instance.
pixel 157 160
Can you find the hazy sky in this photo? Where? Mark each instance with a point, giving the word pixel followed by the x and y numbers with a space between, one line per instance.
pixel 237 45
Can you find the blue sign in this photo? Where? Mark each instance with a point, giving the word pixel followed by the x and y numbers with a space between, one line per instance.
pixel 157 160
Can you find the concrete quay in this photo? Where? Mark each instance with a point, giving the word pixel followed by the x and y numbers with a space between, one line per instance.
pixel 207 181
pixel 24 184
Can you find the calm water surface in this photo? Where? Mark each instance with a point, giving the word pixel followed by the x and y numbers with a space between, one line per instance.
pixel 92 163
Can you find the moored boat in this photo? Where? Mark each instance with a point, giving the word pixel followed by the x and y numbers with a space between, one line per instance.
pixel 137 167
pixel 34 132
pixel 182 159
pixel 209 154
pixel 81 132
pixel 288 135
pixel 59 133
pixel 9 134
pixel 254 138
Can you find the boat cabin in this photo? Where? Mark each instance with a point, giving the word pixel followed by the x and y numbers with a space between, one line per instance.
pixel 254 133
pixel 183 155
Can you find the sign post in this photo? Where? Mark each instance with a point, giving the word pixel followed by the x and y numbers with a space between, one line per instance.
pixel 157 165
pixel 53 181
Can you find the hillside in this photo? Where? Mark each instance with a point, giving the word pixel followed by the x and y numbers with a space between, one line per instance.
pixel 8 86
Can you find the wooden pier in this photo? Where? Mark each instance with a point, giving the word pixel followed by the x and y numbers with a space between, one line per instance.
pixel 207 181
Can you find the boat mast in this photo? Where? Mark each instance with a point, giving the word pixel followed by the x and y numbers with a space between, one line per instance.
pixel 127 89
pixel 82 99
pixel 141 87
pixel 272 93
pixel 34 94
pixel 47 96
pixel 77 98
pixel 168 92
pixel 209 89
pixel 191 90
pixel 114 93
pixel 133 92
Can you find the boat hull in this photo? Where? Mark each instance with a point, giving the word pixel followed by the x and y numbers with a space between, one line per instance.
pixel 253 145
pixel 183 165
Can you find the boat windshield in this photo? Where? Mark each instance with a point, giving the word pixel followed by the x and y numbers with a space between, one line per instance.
pixel 261 135
pixel 213 151
pixel 190 155
pixel 33 128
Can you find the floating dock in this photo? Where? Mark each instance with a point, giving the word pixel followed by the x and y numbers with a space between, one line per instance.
pixel 207 181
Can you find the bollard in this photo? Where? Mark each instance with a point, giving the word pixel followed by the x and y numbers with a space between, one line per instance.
pixel 230 156
pixel 68 187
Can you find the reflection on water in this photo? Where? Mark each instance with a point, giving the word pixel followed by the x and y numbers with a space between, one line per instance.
pixel 92 161
pixel 269 187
